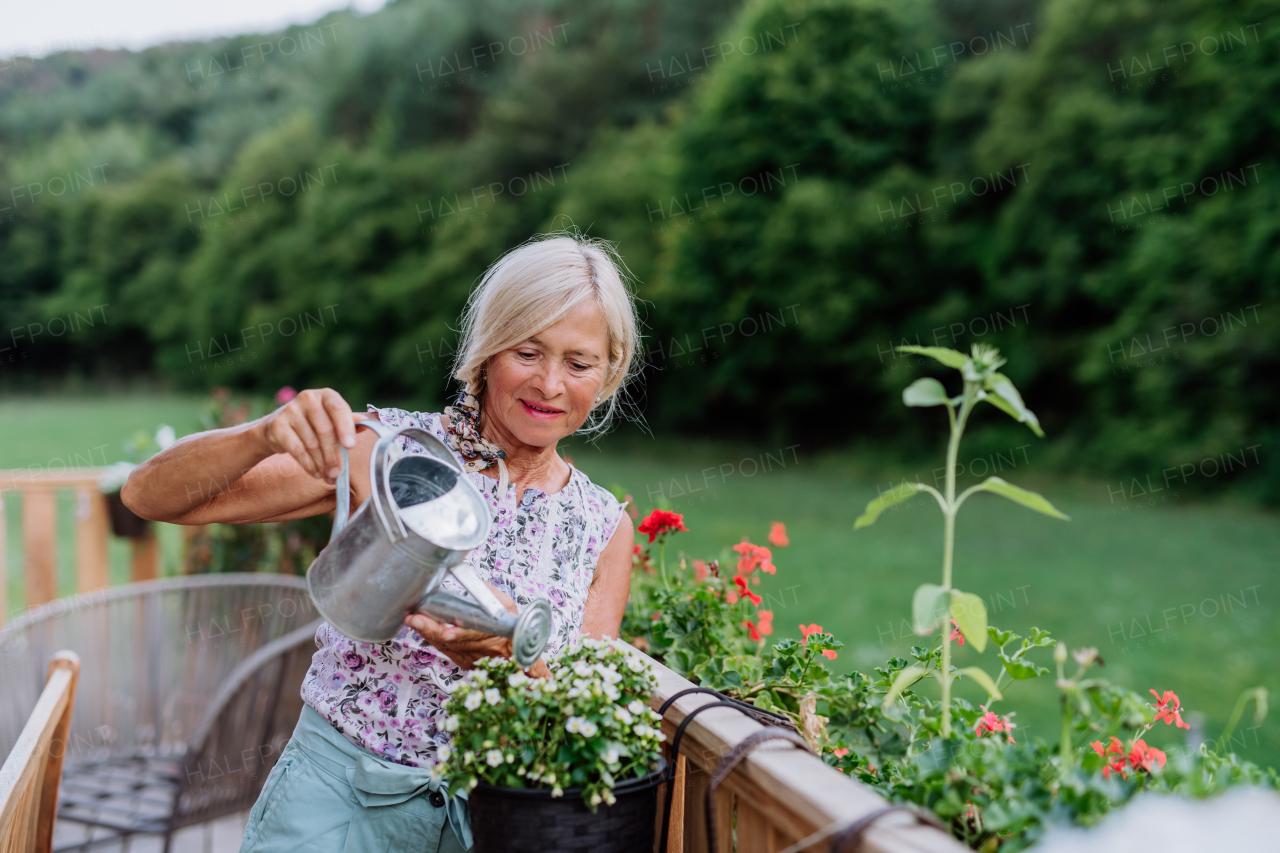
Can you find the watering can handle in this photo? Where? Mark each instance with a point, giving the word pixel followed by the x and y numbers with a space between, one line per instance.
pixel 386 434
pixel 343 512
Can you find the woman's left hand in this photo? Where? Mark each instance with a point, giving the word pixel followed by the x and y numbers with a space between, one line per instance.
pixel 464 646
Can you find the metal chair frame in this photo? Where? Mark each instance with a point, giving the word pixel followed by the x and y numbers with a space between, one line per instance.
pixel 202 763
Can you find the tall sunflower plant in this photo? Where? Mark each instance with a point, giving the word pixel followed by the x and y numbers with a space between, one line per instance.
pixel 936 607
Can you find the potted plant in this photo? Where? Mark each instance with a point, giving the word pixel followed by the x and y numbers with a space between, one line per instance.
pixel 137 450
pixel 567 763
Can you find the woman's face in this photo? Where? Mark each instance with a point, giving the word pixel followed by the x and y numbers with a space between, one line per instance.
pixel 542 389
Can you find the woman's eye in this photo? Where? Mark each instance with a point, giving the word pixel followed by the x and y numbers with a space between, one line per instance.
pixel 527 355
pixel 578 366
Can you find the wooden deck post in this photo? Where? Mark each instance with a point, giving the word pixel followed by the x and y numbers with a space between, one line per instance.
pixel 91 540
pixel 146 557
pixel 40 541
pixel 675 832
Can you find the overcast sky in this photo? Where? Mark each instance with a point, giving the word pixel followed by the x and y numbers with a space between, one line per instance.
pixel 40 27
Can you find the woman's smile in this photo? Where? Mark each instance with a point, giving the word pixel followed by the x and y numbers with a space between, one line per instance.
pixel 541 411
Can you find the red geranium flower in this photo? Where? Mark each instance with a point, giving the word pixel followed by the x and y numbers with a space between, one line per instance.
pixel 1143 756
pixel 752 632
pixel 1116 764
pixel 955 633
pixel 285 394
pixel 778 535
pixel 741 583
pixel 814 628
pixel 661 521
pixel 1169 709
pixel 753 556
pixel 1139 757
pixel 1112 748
pixel 766 621
pixel 991 723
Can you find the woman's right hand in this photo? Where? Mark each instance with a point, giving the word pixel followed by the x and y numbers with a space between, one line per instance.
pixel 464 646
pixel 310 428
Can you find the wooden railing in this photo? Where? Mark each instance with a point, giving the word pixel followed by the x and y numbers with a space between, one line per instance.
pixel 38 506
pixel 774 798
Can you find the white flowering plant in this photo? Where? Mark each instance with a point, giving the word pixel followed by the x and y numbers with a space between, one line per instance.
pixel 588 726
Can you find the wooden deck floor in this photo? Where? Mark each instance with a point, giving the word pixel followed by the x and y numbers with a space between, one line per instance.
pixel 220 836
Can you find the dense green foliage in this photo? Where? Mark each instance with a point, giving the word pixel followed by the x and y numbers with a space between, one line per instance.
pixel 1084 183
pixel 993 785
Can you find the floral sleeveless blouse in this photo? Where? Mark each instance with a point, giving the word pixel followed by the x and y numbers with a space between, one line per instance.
pixel 388 697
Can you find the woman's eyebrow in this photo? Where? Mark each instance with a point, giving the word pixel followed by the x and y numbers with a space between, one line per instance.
pixel 582 352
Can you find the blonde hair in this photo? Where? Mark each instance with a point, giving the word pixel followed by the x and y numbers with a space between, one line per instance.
pixel 535 286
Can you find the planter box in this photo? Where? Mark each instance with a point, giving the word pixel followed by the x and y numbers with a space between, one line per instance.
pixel 517 820
pixel 123 521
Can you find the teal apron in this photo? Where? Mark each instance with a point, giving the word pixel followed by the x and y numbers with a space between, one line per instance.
pixel 328 795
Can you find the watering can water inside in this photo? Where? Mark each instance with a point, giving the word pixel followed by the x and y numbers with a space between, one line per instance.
pixel 387 560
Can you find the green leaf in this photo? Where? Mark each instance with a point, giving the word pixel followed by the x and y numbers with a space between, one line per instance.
pixel 901 682
pixel 1006 398
pixel 949 357
pixel 970 613
pixel 924 392
pixel 896 495
pixel 1039 637
pixel 982 678
pixel 928 608
pixel 1030 500
pixel 1000 637
pixel 1020 670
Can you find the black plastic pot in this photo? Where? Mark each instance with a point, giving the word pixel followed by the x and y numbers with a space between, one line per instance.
pixel 123 521
pixel 515 820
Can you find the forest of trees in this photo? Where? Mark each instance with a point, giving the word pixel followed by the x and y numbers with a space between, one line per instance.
pixel 796 185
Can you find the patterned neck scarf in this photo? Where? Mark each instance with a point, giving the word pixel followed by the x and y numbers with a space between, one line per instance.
pixel 463 434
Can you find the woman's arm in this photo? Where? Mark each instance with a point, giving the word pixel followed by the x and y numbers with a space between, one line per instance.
pixel 607 598
pixel 278 467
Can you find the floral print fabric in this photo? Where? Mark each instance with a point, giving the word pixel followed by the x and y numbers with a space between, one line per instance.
pixel 388 697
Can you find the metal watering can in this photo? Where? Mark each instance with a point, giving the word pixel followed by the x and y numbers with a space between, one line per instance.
pixel 388 559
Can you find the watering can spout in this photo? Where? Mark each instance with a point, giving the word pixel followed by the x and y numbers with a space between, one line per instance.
pixel 388 559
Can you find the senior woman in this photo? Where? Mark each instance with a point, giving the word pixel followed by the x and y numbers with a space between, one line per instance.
pixel 548 340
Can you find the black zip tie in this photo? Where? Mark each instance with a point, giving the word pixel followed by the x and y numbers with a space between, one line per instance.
pixel 765 718
pixel 849 839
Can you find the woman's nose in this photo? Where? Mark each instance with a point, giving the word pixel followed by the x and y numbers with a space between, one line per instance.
pixel 550 380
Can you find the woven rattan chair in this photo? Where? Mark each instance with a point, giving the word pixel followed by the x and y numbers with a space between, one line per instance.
pixel 189 691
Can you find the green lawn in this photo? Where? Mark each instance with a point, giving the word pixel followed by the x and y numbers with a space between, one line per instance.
pixel 1173 595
